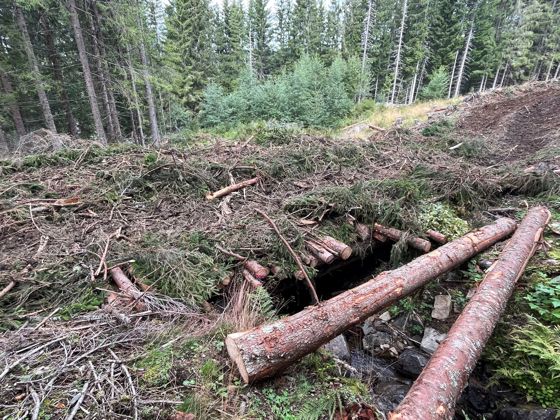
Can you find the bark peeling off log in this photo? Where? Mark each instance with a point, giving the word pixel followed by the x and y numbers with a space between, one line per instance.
pixel 267 349
pixel 435 392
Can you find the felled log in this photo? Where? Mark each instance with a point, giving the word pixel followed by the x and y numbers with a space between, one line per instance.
pixel 258 271
pixel 322 254
pixel 363 231
pixel 435 392
pixel 310 260
pixel 124 284
pixel 267 349
pixel 342 250
pixel 436 236
pixel 396 234
pixel 249 278
pixel 232 188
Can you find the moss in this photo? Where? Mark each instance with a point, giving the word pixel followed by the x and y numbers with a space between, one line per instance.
pixel 156 366
pixel 442 218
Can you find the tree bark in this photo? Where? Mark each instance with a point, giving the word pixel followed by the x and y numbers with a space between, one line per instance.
pixel 257 270
pixel 100 131
pixel 399 48
pixel 72 126
pixel 265 350
pixel 152 113
pixel 4 149
pixel 435 392
pixel 106 74
pixel 396 234
pixel 342 250
pixel 33 64
pixel 464 61
pixel 320 252
pixel 14 107
pixel 232 188
pixel 135 96
pixel 436 236
pixel 452 75
pixel 100 70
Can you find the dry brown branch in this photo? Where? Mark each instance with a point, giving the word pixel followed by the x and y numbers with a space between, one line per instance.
pixel 292 253
pixel 232 188
pixel 7 289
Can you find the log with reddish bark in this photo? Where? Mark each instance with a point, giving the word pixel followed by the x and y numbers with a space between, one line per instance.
pixel 124 284
pixel 436 236
pixel 257 270
pixel 396 234
pixel 320 252
pixel 265 350
pixel 435 392
pixel 340 249
pixel 249 278
pixel 232 188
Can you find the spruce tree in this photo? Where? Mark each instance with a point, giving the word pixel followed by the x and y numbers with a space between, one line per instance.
pixel 259 24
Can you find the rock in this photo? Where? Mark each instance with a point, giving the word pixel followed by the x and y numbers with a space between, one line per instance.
pixel 431 340
pixel 338 347
pixel 484 264
pixel 369 325
pixel 411 362
pixel 377 340
pixel 514 413
pixel 385 316
pixel 390 394
pixel 372 367
pixel 471 293
pixel 442 307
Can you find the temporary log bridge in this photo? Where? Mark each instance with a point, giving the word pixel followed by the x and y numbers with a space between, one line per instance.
pixel 265 350
pixel 435 392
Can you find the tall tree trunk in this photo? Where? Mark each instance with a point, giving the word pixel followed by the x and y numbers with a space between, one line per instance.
pixel 464 61
pixel 367 24
pixel 504 75
pixel 106 73
pixel 14 107
pixel 557 72
pixel 87 72
pixel 549 70
pixel 100 71
pixel 422 76
pixel 72 126
pixel 496 77
pixel 4 149
pixel 399 48
pixel 413 87
pixel 452 79
pixel 33 64
pixel 149 96
pixel 135 96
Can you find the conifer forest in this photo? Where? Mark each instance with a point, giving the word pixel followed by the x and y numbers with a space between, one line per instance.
pixel 280 209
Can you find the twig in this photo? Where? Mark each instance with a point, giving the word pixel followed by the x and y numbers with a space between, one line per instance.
pixel 37 402
pixel 40 324
pixel 134 396
pixel 79 402
pixel 102 262
pixel 293 254
pixel 8 368
pixel 230 253
pixel 6 289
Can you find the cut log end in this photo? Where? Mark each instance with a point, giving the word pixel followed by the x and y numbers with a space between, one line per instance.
pixel 235 355
pixel 257 270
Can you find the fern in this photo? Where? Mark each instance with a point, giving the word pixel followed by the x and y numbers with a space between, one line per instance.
pixel 316 409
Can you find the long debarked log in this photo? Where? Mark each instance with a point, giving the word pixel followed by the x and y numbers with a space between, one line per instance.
pixel 232 188
pixel 267 349
pixel 435 392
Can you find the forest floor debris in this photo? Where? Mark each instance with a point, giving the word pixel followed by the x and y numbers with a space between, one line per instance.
pixel 59 212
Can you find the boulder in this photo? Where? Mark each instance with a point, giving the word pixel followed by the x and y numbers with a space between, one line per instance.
pixel 338 347
pixel 514 413
pixel 431 340
pixel 442 307
pixel 377 340
pixel 411 362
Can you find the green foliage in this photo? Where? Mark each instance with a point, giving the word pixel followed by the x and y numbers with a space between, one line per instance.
pixel 533 362
pixel 442 218
pixel 438 128
pixel 437 87
pixel 312 95
pixel 261 303
pixel 156 365
pixel 89 300
pixel 188 273
pixel 544 299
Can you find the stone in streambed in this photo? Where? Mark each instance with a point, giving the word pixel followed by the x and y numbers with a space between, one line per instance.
pixel 442 307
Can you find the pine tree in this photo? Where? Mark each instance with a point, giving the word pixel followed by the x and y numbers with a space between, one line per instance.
pixel 188 49
pixel 259 22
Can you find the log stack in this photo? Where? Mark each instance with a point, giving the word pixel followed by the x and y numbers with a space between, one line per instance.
pixel 267 349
